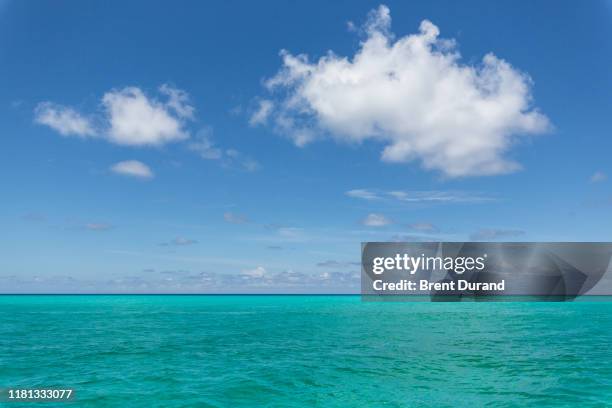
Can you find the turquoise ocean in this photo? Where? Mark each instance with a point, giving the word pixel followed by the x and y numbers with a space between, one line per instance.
pixel 303 351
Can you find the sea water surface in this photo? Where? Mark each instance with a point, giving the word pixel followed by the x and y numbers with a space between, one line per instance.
pixel 303 351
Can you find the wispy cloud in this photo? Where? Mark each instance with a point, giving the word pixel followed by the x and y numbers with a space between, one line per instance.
pixel 132 168
pixel 34 217
pixel 205 147
pixel 491 234
pixel 233 157
pixel 97 226
pixel 234 218
pixel 178 101
pixel 411 238
pixel 64 120
pixel 330 263
pixel 427 196
pixel 423 227
pixel 261 114
pixel 179 241
pixel 363 194
pixel 439 197
pixel 258 272
pixel 290 232
pixel 257 279
pixel 598 177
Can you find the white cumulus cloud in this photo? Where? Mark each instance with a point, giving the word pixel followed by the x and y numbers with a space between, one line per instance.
pixel 414 95
pixel 136 120
pixel 132 168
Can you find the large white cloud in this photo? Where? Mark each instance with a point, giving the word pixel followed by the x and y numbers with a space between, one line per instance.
pixel 129 117
pixel 414 95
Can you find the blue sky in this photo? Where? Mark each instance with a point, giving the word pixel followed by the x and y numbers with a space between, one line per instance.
pixel 155 148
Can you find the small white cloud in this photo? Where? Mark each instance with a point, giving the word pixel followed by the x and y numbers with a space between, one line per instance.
pixel 598 177
pixel 363 194
pixel 233 218
pixel 132 168
pixel 415 95
pixel 375 220
pixel 66 121
pixel 255 273
pixel 260 116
